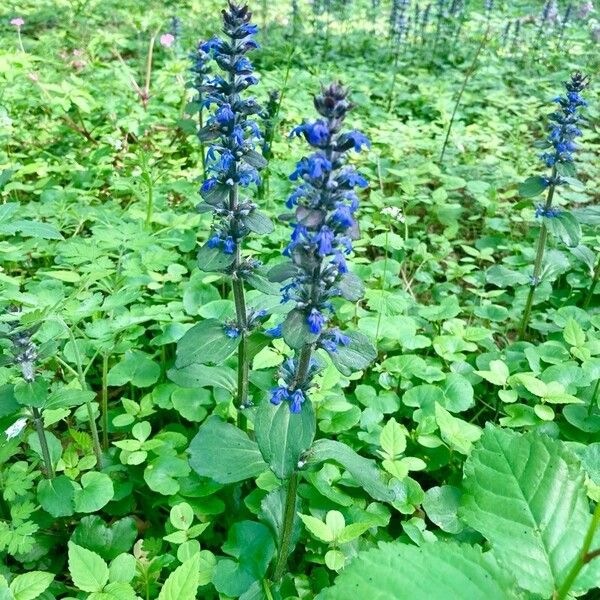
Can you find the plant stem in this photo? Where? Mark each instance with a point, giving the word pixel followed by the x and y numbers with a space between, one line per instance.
pixel 585 556
pixel 288 526
pixel 88 404
pixel 20 40
pixel 394 76
pixel 468 75
pixel 146 89
pixel 39 427
pixel 590 293
pixel 150 202
pixel 385 265
pixel 539 257
pixel 105 401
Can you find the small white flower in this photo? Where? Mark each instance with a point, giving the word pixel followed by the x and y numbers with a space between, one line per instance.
pixel 394 212
pixel 15 429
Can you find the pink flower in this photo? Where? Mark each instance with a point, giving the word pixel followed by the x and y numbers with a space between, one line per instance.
pixel 166 40
pixel 17 22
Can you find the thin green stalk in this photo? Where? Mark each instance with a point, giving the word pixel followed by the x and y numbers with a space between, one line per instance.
pixel 539 257
pixel 385 265
pixel 145 96
pixel 468 75
pixel 288 527
pixel 105 401
pixel 394 77
pixel 590 293
pixel 20 40
pixel 594 400
pixel 585 556
pixel 39 427
pixel 88 404
pixel 149 203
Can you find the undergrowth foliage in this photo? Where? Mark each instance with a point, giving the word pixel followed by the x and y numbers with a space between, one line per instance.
pixel 277 319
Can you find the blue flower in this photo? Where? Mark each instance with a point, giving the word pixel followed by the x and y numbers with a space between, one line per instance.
pixel 316 134
pixel 231 330
pixel 214 241
pixel 228 245
pixel 325 238
pixel 224 115
pixel 350 178
pixel 316 320
pixel 353 139
pixel 342 216
pixel 279 394
pixel 296 400
pixel 276 331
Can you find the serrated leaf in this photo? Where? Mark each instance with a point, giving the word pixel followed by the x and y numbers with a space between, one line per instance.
pixel 356 356
pixel 533 186
pixel 436 571
pixel 525 494
pixel 213 259
pixel 30 585
pixel 88 571
pixel 182 583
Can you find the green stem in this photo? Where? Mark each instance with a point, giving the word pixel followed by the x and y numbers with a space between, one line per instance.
pixel 593 285
pixel 539 257
pixel 594 400
pixel 287 528
pixel 88 404
pixel 105 401
pixel 385 265
pixel 468 75
pixel 20 40
pixel 150 203
pixel 39 427
pixel 394 76
pixel 584 557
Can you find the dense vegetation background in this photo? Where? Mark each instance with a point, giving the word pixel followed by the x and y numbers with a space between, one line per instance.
pixel 471 460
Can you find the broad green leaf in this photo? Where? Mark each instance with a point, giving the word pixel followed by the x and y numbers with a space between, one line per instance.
pixel 356 356
pixel 30 585
pixel 198 376
pixel 363 470
pixel 205 343
pixel 56 496
pixel 436 571
pixel 392 439
pixel 136 368
pixel 441 505
pixel 96 491
pixel 252 545
pixel 283 436
pixel 533 186
pixel 295 329
pixel 525 495
pixel 162 473
pixel 182 583
pixel 88 571
pixel 566 227
pixel 225 453
pixel 213 259
pixel 107 541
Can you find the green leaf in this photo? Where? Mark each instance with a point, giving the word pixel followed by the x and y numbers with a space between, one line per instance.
pixel 88 571
pixel 253 547
pixel 533 186
pixel 198 376
pixel 30 585
pixel 136 368
pixel 204 343
pixel 317 528
pixel 436 571
pixel 356 356
pixel 441 505
pixel 458 434
pixel 284 436
pixel 213 259
pixel 296 331
pixel 97 490
pixel 56 496
pixel 363 470
pixel 182 583
pixel 162 473
pixel 33 393
pixel 35 229
pixel 351 287
pixel 107 541
pixel 458 393
pixel 225 453
pixel 566 227
pixel 525 495
pixel 258 222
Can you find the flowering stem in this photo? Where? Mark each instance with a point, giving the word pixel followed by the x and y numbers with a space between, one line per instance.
pixel 539 257
pixel 385 265
pixel 585 556
pixel 287 528
pixel 39 427
pixel 468 75
pixel 394 76
pixel 20 39
pixel 590 293
pixel 146 90
pixel 105 401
